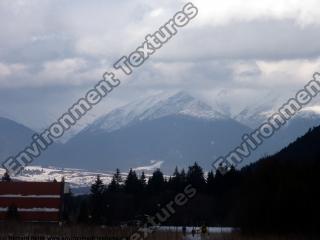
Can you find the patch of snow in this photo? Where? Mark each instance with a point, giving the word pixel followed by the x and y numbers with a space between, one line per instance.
pixel 76 178
pixel 154 166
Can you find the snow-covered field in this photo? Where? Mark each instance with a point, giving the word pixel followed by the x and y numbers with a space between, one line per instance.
pixel 77 178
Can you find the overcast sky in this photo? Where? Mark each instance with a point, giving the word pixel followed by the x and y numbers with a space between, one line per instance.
pixel 234 51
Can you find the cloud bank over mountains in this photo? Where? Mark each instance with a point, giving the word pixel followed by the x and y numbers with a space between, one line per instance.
pixel 52 51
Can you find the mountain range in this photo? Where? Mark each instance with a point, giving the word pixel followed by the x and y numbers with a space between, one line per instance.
pixel 163 130
pixel 13 137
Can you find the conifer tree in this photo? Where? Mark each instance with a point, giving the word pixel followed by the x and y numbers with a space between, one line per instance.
pixel 156 182
pixel 195 177
pixel 97 200
pixel 132 182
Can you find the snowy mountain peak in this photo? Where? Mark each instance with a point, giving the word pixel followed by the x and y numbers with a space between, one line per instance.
pixel 154 107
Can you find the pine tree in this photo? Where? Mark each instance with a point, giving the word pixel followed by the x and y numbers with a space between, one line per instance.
pixel 97 200
pixel 132 182
pixel 118 177
pixel 113 186
pixel 210 182
pixel 98 187
pixel 183 177
pixel 156 182
pixel 195 177
pixel 116 182
pixel 176 182
pixel 143 181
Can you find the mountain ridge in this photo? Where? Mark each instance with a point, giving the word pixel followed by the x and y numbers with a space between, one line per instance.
pixel 153 107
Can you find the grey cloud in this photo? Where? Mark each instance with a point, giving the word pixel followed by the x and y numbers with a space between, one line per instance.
pixel 262 39
pixel 242 55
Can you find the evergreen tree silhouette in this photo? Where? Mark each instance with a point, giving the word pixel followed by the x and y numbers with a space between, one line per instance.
pixel 156 182
pixel 132 182
pixel 143 182
pixel 210 182
pixel 195 177
pixel 116 182
pixel 178 180
pixel 97 200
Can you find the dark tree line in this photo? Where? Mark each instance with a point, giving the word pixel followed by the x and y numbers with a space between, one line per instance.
pixel 132 198
pixel 277 194
pixel 126 200
pixel 269 196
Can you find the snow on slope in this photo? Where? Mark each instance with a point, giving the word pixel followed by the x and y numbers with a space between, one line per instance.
pixel 257 112
pixel 260 110
pixel 253 117
pixel 165 104
pixel 154 107
pixel 154 165
pixel 77 178
pixel 310 112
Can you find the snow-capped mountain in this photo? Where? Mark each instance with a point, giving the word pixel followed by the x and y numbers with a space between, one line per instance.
pixel 176 129
pixel 260 110
pixel 179 129
pixel 154 107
